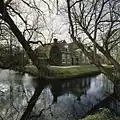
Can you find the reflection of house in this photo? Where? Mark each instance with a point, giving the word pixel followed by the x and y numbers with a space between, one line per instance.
pixel 75 87
pixel 61 53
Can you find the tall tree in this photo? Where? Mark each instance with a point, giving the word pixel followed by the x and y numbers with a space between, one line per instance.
pixel 9 9
pixel 98 21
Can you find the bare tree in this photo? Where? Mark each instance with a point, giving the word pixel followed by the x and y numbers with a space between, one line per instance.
pixel 29 24
pixel 24 31
pixel 99 22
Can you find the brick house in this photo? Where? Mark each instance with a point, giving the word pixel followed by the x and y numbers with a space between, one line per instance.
pixel 77 56
pixel 69 53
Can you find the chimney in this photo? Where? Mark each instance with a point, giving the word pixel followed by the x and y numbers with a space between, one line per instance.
pixel 55 40
pixel 79 39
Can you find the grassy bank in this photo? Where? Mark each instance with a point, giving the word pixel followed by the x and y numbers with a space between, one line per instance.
pixel 75 70
pixel 102 114
pixel 66 71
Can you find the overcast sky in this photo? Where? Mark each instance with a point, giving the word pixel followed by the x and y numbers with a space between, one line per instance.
pixel 55 23
pixel 58 22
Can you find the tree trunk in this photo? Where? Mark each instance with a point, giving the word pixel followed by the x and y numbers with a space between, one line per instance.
pixel 117 90
pixel 31 103
pixel 43 69
pixel 113 61
pixel 32 55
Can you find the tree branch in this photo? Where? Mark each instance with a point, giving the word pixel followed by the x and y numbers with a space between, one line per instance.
pixel 18 14
pixel 36 42
pixel 8 2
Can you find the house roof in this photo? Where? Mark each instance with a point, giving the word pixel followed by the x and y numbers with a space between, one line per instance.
pixel 72 46
pixel 61 45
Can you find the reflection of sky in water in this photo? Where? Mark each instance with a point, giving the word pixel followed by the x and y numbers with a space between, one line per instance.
pixel 76 96
pixel 70 104
pixel 99 86
pixel 12 88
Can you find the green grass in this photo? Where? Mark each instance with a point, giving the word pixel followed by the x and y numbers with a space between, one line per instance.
pixel 102 114
pixel 65 71
pixel 71 71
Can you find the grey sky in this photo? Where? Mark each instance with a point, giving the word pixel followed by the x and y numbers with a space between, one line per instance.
pixel 55 23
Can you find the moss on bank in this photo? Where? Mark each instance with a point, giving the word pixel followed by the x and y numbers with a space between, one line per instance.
pixel 102 114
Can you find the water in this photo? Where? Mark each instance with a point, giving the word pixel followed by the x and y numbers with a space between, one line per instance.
pixel 74 97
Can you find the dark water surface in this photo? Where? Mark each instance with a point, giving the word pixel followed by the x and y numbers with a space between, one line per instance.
pixel 74 99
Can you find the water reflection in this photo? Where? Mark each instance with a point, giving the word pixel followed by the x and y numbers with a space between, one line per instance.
pixel 73 98
pixel 13 95
pixel 80 95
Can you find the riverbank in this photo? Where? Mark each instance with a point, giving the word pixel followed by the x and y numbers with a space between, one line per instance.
pixel 63 72
pixel 66 71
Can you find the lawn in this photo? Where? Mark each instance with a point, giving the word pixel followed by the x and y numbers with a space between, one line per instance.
pixel 74 70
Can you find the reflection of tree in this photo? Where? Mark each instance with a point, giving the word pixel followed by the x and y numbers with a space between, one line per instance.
pixel 12 101
pixel 78 87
